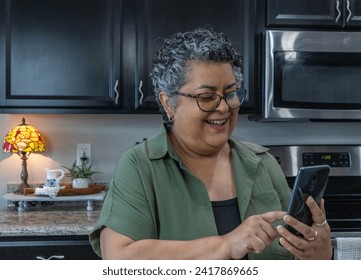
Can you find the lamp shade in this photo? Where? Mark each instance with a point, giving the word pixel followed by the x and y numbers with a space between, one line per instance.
pixel 23 138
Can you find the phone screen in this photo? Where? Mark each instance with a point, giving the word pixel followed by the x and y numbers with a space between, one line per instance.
pixel 310 181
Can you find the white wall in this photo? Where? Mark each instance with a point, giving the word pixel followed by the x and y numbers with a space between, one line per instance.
pixel 111 135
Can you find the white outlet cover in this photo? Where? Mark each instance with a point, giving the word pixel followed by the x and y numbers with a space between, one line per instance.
pixel 83 149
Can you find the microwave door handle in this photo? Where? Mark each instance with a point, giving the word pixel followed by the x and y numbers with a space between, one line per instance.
pixel 349 11
pixel 338 10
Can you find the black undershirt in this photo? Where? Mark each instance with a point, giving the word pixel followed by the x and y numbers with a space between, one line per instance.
pixel 226 215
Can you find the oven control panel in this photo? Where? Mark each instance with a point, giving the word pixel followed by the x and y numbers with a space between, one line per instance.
pixel 341 159
pixel 344 160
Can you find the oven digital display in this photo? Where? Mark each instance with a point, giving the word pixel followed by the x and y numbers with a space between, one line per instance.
pixel 342 159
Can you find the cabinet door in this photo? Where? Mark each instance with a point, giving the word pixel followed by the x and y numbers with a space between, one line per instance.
pixel 46 248
pixel 2 51
pixel 159 19
pixel 57 54
pixel 304 12
pixel 352 13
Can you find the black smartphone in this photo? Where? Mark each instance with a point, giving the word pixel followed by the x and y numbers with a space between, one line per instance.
pixel 310 181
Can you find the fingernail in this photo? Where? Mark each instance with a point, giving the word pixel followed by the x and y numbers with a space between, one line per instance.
pixel 279 228
pixel 287 218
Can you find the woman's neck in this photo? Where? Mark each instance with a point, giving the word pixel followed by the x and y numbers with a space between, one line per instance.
pixel 213 169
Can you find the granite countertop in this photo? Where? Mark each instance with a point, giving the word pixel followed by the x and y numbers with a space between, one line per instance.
pixel 48 220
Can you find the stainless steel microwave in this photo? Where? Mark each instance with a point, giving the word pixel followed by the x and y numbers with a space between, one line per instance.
pixel 311 75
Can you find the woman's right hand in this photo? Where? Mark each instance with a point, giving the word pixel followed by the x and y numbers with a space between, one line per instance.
pixel 254 234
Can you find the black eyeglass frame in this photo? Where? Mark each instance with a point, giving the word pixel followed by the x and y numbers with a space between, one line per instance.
pixel 241 93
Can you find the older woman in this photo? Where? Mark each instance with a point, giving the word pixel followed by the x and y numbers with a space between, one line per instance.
pixel 194 191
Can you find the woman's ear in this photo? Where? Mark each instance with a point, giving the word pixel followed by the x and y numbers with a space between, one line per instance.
pixel 164 101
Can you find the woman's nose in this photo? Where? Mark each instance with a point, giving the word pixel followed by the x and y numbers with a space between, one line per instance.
pixel 223 106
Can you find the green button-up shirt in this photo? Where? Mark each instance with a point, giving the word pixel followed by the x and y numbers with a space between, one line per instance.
pixel 154 196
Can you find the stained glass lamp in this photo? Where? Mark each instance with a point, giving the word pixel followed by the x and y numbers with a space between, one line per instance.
pixel 23 140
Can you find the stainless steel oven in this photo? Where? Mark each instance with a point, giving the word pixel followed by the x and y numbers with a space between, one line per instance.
pixel 311 75
pixel 343 191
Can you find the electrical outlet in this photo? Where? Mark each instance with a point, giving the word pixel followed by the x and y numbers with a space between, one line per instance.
pixel 83 152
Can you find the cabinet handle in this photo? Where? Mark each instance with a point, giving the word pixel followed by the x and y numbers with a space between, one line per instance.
pixel 338 10
pixel 141 92
pixel 57 257
pixel 116 100
pixel 349 11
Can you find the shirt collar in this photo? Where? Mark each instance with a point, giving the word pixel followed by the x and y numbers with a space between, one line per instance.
pixel 159 146
pixel 246 148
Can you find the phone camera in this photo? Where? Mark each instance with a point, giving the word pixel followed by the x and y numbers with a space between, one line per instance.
pixel 314 179
pixel 313 182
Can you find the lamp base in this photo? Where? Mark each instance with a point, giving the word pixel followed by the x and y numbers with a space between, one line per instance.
pixel 24 174
pixel 22 187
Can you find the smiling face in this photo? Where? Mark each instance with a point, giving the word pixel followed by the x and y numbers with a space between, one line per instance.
pixel 199 132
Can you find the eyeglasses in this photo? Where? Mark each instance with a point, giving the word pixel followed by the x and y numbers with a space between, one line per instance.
pixel 209 101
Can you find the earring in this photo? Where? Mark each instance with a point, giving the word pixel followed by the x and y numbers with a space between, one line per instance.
pixel 171 119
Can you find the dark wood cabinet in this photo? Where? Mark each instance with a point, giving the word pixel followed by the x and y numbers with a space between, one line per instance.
pixel 57 55
pixel 160 19
pixel 77 56
pixel 352 13
pixel 46 248
pixel 310 13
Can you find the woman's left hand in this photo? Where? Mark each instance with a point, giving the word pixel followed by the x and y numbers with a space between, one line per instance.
pixel 316 243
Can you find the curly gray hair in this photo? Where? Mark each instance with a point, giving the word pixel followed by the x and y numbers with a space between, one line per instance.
pixel 171 62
